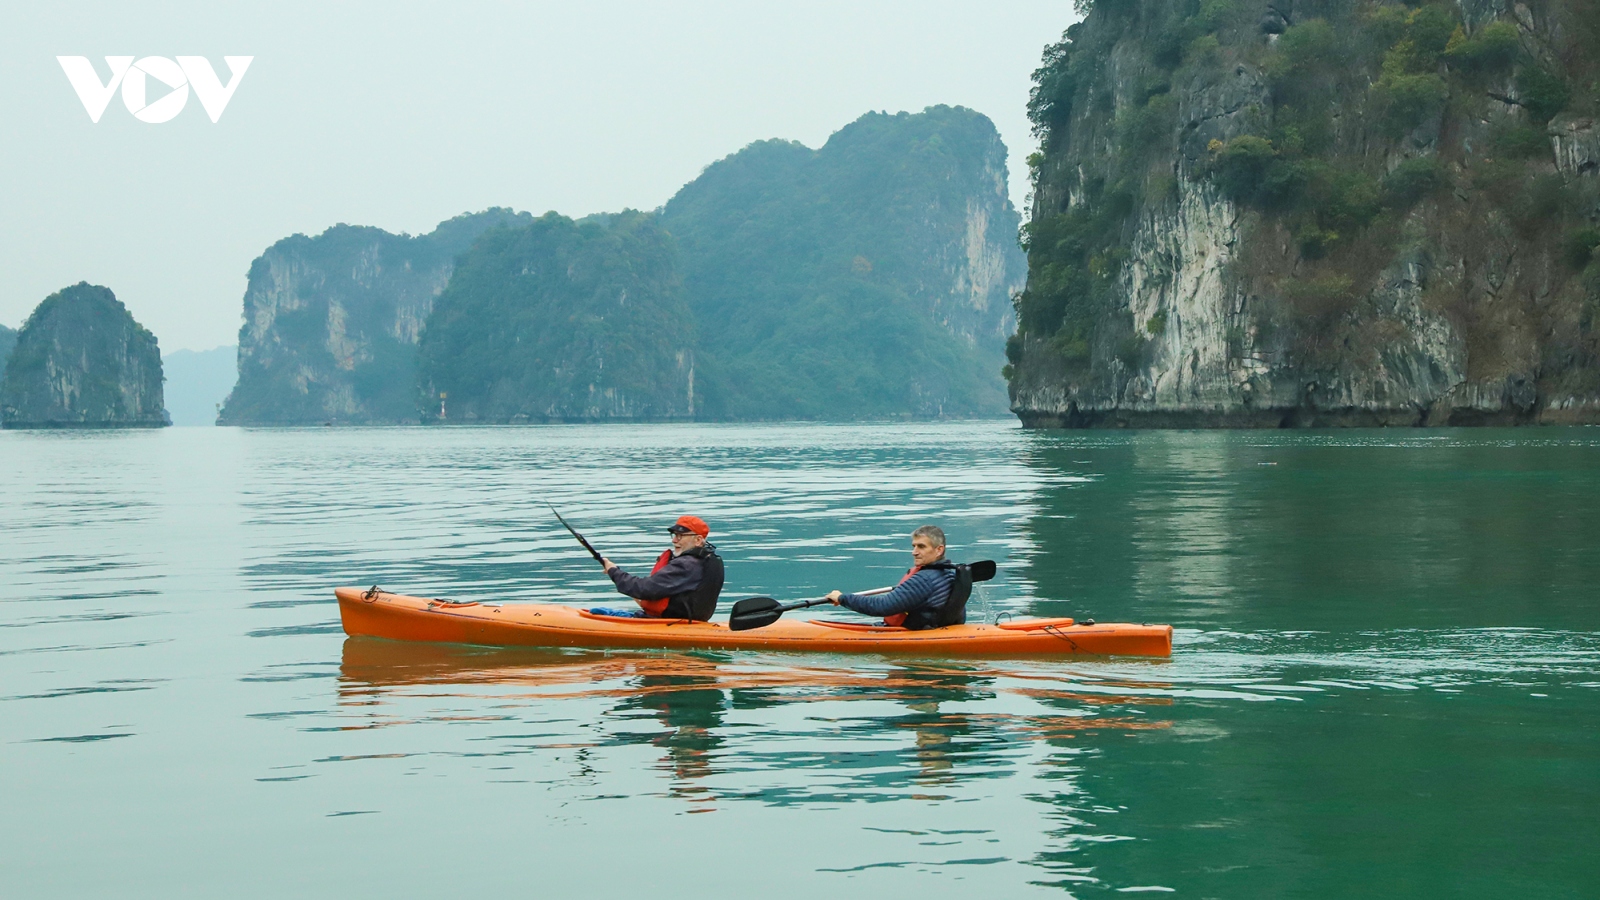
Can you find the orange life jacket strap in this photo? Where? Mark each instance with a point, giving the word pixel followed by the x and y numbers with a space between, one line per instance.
pixel 655 608
pixel 900 618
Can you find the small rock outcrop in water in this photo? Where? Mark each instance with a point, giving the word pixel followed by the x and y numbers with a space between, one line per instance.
pixel 562 321
pixel 1284 212
pixel 870 277
pixel 81 361
pixel 332 321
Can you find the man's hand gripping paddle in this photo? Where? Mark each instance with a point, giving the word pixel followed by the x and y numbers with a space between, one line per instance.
pixel 759 612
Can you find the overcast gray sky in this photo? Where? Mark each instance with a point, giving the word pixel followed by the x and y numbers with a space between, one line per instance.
pixel 401 115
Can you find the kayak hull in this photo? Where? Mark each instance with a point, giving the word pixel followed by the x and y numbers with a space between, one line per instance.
pixel 399 617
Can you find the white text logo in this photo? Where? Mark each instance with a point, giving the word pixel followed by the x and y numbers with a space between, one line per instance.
pixel 134 78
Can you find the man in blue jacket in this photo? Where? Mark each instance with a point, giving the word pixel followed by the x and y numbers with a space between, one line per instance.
pixel 918 601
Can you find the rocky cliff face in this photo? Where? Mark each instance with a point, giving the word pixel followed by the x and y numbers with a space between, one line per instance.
pixel 1286 212
pixel 81 361
pixel 8 342
pixel 869 277
pixel 332 322
pixel 562 321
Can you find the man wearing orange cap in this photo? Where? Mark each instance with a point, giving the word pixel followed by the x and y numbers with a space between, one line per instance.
pixel 686 580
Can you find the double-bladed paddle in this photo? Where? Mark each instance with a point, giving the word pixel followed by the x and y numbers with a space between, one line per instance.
pixel 759 612
pixel 586 545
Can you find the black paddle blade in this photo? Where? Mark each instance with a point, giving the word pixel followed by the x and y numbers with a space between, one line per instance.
pixel 755 605
pixel 755 612
pixel 982 570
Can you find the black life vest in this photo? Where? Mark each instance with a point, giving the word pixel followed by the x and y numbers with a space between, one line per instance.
pixel 954 609
pixel 700 602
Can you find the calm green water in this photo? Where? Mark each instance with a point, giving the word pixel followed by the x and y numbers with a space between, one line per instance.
pixel 1385 680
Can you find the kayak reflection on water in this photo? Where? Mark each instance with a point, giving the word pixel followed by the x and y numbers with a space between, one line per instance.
pixel 690 707
pixel 689 697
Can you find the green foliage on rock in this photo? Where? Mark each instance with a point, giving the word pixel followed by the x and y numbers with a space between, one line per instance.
pixel 81 361
pixel 562 321
pixel 1412 180
pixel 1075 257
pixel 1492 48
pixel 1426 57
pixel 1579 246
pixel 1541 92
pixel 1404 99
pixel 870 277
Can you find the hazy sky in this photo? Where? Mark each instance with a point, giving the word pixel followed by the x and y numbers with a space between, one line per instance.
pixel 401 115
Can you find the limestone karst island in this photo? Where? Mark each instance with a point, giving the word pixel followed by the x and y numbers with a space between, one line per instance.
pixel 81 361
pixel 1336 213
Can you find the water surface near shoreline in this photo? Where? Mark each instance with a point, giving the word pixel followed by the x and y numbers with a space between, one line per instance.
pixel 1386 676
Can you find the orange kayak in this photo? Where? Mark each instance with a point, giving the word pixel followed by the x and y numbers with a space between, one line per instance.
pixel 396 616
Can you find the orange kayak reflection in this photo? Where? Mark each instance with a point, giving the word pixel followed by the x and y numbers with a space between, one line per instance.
pixel 370 666
pixel 378 613
pixel 691 696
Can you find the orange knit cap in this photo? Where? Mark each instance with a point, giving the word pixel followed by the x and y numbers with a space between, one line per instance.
pixel 688 524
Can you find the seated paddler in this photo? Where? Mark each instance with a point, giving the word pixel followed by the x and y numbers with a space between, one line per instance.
pixel 685 582
pixel 932 595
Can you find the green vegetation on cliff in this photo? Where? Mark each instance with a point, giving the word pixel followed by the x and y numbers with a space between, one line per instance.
pixel 1412 73
pixel 81 361
pixel 562 321
pixel 331 322
pixel 870 277
pixel 1418 197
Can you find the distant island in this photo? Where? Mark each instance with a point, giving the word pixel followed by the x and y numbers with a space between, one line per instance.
pixel 871 277
pixel 197 383
pixel 81 361
pixel 562 321
pixel 331 323
pixel 1257 213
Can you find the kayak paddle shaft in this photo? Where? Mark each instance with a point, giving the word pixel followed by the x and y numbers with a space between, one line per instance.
pixel 586 545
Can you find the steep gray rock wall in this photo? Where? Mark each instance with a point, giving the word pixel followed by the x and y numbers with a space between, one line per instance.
pixel 1279 212
pixel 332 323
pixel 8 341
pixel 81 361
